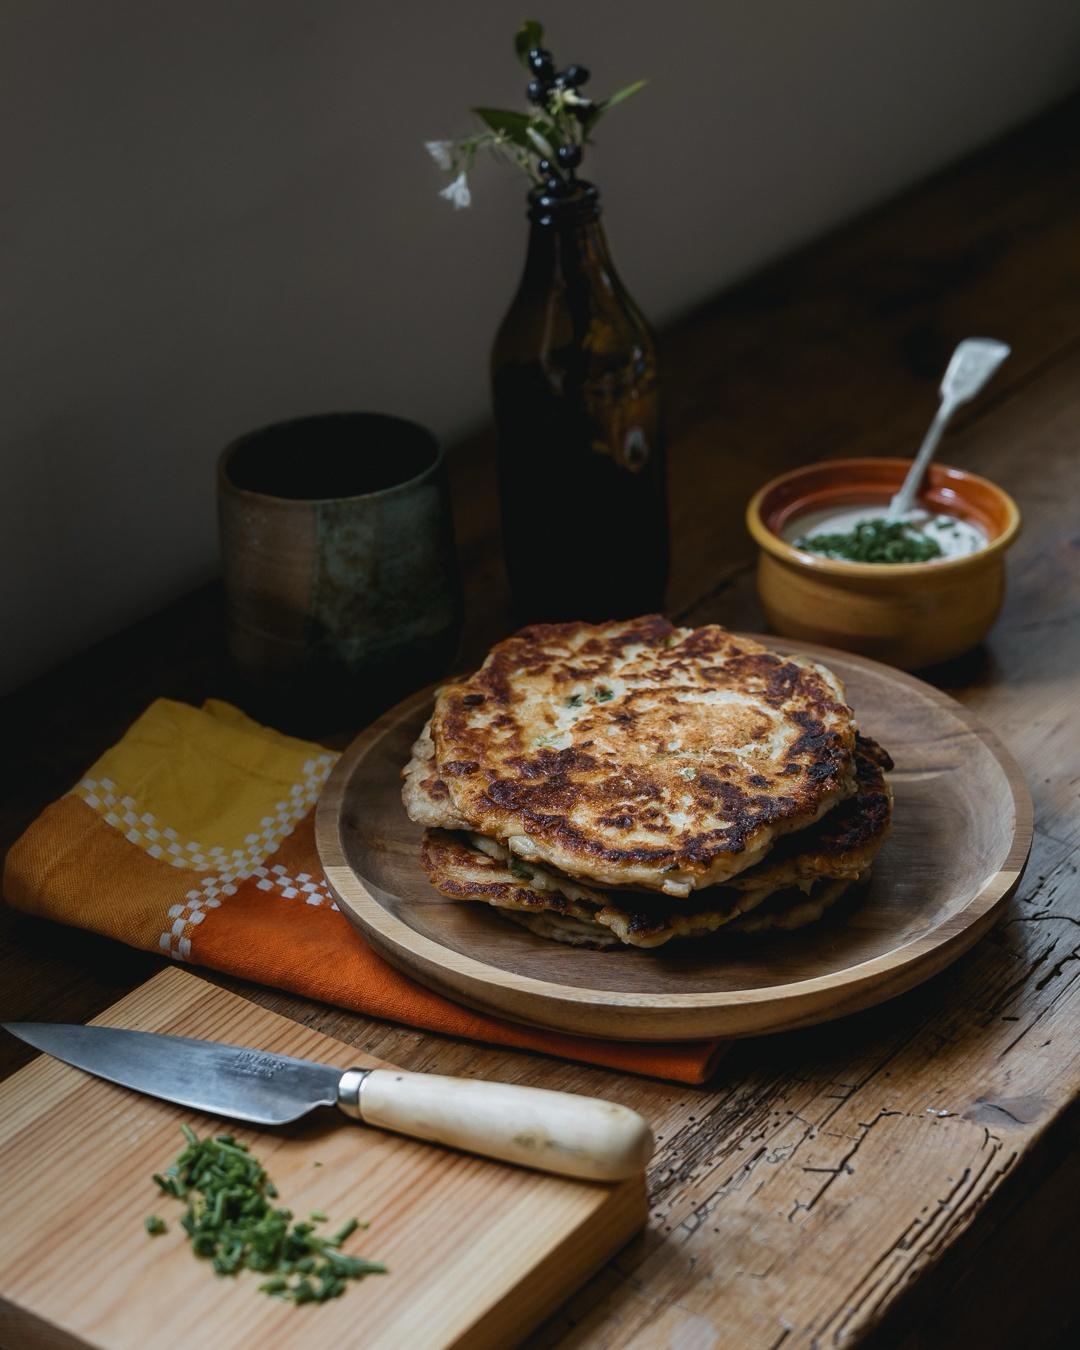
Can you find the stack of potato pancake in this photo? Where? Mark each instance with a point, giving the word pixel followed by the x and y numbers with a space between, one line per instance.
pixel 630 783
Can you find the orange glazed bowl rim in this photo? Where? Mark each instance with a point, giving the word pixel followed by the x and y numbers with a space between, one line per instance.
pixel 772 543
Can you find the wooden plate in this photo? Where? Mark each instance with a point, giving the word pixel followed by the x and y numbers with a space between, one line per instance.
pixel 961 835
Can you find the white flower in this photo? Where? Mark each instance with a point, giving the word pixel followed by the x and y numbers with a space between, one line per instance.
pixel 457 192
pixel 568 98
pixel 440 152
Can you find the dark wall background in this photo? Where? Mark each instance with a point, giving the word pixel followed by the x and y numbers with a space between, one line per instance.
pixel 219 213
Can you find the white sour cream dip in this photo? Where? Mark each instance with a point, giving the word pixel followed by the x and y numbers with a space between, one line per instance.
pixel 955 537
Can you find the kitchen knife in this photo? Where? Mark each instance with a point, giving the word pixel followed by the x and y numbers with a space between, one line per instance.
pixel 553 1131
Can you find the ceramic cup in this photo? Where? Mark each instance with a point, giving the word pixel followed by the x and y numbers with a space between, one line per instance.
pixel 341 579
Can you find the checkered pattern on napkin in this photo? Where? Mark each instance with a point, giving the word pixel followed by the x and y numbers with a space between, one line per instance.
pixel 194 837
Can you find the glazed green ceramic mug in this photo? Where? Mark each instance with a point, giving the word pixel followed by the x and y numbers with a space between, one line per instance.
pixel 341 578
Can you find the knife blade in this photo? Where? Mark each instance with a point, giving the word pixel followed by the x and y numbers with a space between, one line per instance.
pixel 560 1132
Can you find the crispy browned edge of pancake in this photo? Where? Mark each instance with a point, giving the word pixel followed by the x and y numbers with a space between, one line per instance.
pixel 819 778
pixel 644 920
pixel 788 911
pixel 425 795
pixel 444 853
pixel 833 845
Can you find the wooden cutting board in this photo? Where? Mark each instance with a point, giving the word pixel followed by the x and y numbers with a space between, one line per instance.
pixel 478 1252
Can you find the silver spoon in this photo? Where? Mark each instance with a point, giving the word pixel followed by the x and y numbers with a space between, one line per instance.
pixel 972 364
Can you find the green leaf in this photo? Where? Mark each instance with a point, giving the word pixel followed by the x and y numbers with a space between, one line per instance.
pixel 529 35
pixel 513 125
pixel 619 96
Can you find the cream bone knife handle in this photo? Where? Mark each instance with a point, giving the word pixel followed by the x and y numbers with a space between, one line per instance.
pixel 534 1127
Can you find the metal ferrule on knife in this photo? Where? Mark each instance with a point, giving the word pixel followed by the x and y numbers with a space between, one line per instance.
pixel 349 1090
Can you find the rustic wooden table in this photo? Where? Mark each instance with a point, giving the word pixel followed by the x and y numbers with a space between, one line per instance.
pixel 905 1176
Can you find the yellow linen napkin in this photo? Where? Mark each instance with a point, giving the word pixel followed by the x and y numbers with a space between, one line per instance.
pixel 194 836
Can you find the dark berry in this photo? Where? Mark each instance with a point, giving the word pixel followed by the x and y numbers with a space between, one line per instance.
pixel 536 91
pixel 545 166
pixel 583 111
pixel 575 76
pixel 554 185
pixel 541 63
pixel 569 156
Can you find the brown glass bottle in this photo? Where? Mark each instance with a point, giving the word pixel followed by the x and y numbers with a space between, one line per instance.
pixel 577 411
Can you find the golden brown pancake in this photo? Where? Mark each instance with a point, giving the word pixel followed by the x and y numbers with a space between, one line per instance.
pixel 638 754
pixel 480 871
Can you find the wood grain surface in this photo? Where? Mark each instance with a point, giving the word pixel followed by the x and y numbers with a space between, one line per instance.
pixel 960 838
pixel 477 1251
pixel 907 1176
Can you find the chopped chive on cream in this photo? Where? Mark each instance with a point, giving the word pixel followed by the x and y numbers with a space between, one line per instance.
pixel 875 541
pixel 231 1223
pixel 604 695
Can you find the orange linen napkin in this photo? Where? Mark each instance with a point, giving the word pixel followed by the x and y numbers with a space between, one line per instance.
pixel 194 836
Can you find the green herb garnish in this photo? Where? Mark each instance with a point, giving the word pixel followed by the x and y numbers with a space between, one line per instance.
pixel 875 541
pixel 231 1223
pixel 604 695
pixel 519 870
pixel 574 701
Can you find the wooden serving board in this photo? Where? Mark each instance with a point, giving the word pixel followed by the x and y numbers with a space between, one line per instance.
pixel 962 827
pixel 478 1252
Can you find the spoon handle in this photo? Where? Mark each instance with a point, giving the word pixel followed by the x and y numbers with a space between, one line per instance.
pixel 972 364
pixel 905 498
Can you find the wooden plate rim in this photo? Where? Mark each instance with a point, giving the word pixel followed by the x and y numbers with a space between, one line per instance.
pixel 910 963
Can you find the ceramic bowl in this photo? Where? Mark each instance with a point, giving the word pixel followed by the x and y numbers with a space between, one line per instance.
pixel 906 614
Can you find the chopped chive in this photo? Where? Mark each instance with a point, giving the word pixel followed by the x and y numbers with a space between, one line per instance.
pixel 231 1223
pixel 345 1232
pixel 875 541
